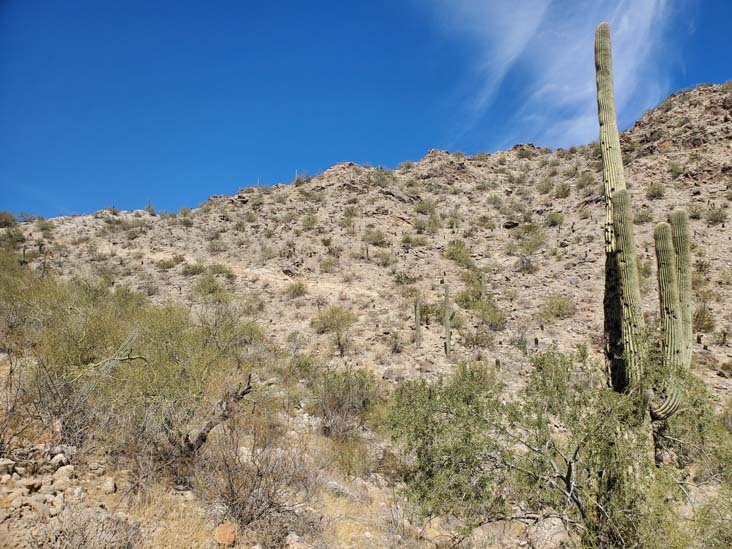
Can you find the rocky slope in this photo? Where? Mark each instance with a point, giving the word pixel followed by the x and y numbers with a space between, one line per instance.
pixel 370 240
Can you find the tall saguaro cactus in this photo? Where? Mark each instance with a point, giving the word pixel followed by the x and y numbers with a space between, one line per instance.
pixel 614 180
pixel 625 332
pixel 447 320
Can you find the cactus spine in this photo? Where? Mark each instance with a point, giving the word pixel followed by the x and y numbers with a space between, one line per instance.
pixel 447 321
pixel 418 321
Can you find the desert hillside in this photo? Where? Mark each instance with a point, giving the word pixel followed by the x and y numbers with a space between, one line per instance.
pixel 329 267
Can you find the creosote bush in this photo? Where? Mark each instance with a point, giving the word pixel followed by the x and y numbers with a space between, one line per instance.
pixel 112 370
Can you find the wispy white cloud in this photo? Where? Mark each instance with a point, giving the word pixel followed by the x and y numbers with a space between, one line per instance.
pixel 548 45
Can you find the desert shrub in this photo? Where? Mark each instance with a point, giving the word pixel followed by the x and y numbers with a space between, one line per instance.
pixel 642 216
pixel 530 238
pixel 193 269
pixel 381 177
pixel 216 246
pixel 375 237
pixel 335 320
pixel 562 190
pixel 295 290
pixel 328 265
pixel 476 456
pixel 554 219
pixel 715 215
pixel 405 166
pixel 410 241
pixel 221 270
pixel 459 252
pixel 169 262
pixel 675 169
pixel 655 191
pixel 426 207
pixel 258 478
pixel 696 210
pixel 545 186
pixel 80 527
pixel 343 398
pixel 558 306
pixel 309 221
pixel 703 318
pixel 113 370
pixel 7 219
pixel 208 286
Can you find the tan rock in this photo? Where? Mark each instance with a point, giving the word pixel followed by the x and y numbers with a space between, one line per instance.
pixel 225 534
pixel 67 471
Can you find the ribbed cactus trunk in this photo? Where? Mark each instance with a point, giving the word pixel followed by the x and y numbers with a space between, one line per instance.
pixel 447 321
pixel 628 372
pixel 625 331
pixel 418 321
pixel 680 237
pixel 614 179
pixel 668 296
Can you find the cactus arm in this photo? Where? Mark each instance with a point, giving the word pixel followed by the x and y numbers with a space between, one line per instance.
pixel 448 318
pixel 668 296
pixel 418 321
pixel 680 236
pixel 632 324
pixel 668 407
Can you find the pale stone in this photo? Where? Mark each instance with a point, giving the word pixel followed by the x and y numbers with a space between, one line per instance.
pixel 67 471
pixel 225 534
pixel 109 486
pixel 6 466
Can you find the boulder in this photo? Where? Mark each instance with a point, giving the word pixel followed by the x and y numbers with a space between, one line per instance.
pixel 67 471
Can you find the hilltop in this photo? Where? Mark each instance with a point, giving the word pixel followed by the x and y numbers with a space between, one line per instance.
pixel 517 231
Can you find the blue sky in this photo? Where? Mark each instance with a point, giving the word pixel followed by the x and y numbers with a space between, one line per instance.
pixel 108 103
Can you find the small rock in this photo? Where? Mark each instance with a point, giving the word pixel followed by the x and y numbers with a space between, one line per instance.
pixel 109 486
pixel 16 494
pixel 62 484
pixel 32 484
pixel 47 489
pixel 67 471
pixel 5 478
pixel 59 460
pixel 38 504
pixel 78 492
pixel 6 466
pixel 225 534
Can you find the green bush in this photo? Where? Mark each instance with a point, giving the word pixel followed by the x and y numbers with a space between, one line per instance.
pixel 655 190
pixel 558 306
pixel 7 219
pixel 295 290
pixel 335 320
pixel 459 252
pixel 472 454
pixel 375 238
pixel 343 398
pixel 554 219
